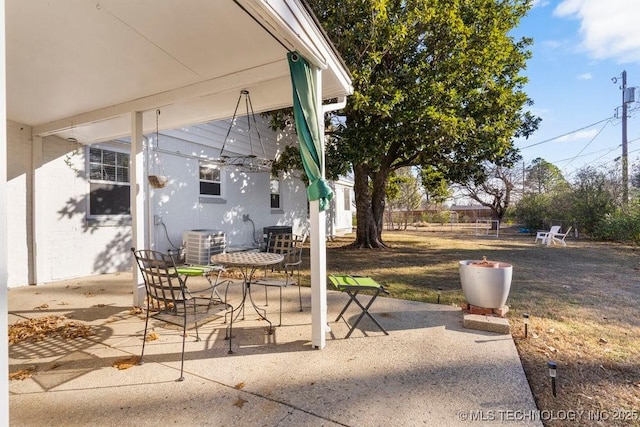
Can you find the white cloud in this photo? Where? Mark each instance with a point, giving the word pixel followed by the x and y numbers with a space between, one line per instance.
pixel 553 44
pixel 580 135
pixel 539 3
pixel 585 76
pixel 609 29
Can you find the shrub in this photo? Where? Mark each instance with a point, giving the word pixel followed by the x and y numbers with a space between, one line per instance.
pixel 531 210
pixel 620 226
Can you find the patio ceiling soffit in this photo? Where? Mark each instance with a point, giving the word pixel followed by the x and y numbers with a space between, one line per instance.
pixel 286 22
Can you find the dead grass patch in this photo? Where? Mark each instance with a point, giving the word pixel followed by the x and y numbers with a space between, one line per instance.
pixel 582 300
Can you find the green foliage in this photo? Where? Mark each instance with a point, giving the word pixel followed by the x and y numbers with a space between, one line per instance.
pixel 543 177
pixel 289 160
pixel 436 84
pixel 590 203
pixel 403 189
pixel 442 217
pixel 531 210
pixel 435 185
pixel 620 226
pixel 591 199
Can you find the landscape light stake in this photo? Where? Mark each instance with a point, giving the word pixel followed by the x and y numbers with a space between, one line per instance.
pixel 439 293
pixel 526 324
pixel 552 373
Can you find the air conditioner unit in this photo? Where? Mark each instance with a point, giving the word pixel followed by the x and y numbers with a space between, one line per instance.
pixel 201 244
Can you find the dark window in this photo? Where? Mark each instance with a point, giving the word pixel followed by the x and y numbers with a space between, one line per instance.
pixel 210 184
pixel 109 189
pixel 275 194
pixel 107 199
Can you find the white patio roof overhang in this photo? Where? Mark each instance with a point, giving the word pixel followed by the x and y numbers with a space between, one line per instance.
pixel 94 70
pixel 78 68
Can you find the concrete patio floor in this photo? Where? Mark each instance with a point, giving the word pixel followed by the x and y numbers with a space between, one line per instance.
pixel 428 371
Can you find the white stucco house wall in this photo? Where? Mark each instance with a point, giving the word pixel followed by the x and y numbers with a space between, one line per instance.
pixel 72 227
pixel 97 71
pixel 340 215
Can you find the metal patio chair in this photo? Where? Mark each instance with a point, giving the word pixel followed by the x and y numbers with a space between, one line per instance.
pixel 172 302
pixel 210 272
pixel 353 285
pixel 290 246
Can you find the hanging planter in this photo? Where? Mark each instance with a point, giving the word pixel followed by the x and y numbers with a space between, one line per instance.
pixel 155 180
pixel 251 162
pixel 158 181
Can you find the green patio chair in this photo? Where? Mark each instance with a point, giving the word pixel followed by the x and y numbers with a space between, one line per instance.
pixel 353 285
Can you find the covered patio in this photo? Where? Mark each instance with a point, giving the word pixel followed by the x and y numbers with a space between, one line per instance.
pixel 91 71
pixel 428 371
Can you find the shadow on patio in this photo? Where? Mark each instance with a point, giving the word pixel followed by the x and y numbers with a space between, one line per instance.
pixel 428 370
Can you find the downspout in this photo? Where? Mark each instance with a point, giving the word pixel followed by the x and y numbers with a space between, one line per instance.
pixel 339 105
pixel 150 235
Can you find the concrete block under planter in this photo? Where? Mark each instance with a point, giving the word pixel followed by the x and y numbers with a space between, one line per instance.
pixel 478 322
pixel 485 283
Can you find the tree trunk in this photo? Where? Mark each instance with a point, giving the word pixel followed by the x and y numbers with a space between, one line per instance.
pixel 370 220
pixel 378 197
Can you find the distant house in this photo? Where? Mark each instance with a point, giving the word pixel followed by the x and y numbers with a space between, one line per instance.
pixel 340 216
pixel 470 213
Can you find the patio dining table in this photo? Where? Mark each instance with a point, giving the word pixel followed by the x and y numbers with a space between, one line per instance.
pixel 248 263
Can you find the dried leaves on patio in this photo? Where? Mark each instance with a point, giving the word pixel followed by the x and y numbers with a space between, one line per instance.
pixel 22 374
pixel 126 363
pixel 49 326
pixel 152 336
pixel 239 403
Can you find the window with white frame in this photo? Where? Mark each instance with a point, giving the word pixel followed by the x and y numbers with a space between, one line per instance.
pixel 347 199
pixel 109 188
pixel 274 185
pixel 210 180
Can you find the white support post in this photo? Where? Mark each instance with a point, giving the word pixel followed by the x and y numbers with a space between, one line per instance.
pixel 138 179
pixel 4 255
pixel 318 246
pixel 37 203
pixel 318 275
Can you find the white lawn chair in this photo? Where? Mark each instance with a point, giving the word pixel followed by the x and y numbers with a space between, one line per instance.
pixel 545 236
pixel 558 238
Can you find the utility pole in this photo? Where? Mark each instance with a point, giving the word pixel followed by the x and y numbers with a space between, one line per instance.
pixel 628 95
pixel 625 164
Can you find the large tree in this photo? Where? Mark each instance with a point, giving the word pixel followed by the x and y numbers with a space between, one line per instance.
pixel 436 85
pixel 494 192
pixel 543 177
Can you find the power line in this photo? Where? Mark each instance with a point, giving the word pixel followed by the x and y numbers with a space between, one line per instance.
pixel 589 143
pixel 630 111
pixel 567 134
pixel 604 163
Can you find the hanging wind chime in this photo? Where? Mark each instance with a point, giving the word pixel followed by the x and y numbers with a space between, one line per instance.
pixel 250 162
pixel 157 180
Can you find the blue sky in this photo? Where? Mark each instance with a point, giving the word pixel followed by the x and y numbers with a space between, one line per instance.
pixel 579 46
